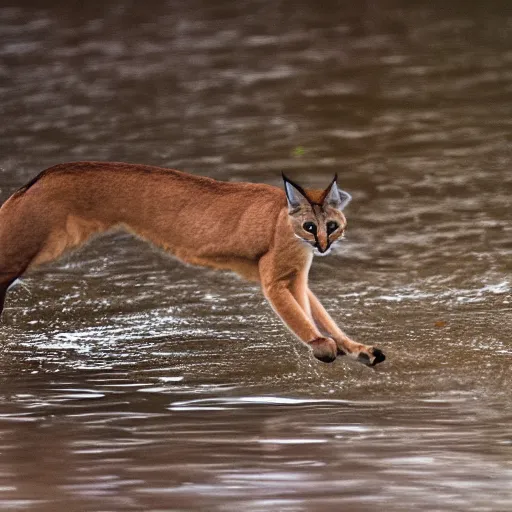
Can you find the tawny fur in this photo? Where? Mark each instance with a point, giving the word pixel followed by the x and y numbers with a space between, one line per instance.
pixel 243 227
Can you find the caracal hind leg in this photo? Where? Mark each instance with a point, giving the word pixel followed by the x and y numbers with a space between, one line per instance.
pixel 27 238
pixel 16 252
pixel 278 293
pixel 15 258
pixel 363 353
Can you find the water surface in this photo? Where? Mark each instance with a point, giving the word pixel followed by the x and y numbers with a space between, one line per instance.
pixel 131 382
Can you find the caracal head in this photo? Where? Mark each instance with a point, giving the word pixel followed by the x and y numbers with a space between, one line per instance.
pixel 316 216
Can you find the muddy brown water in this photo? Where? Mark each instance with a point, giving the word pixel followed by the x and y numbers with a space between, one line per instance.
pixel 131 382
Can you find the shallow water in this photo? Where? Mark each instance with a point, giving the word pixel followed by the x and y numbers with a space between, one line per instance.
pixel 131 382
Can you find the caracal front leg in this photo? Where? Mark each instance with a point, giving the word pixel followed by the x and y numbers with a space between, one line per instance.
pixel 277 291
pixel 363 353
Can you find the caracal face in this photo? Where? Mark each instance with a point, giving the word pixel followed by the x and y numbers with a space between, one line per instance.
pixel 316 217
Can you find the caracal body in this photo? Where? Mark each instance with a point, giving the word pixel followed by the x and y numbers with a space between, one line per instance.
pixel 255 230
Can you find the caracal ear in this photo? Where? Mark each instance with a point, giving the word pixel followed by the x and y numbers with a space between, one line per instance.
pixel 335 197
pixel 295 195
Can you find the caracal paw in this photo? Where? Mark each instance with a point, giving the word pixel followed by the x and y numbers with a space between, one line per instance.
pixel 370 356
pixel 324 349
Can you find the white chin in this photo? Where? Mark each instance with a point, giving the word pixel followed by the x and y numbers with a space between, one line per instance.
pixel 316 252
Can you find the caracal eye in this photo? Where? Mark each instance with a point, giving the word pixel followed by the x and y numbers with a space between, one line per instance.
pixel 310 227
pixel 332 226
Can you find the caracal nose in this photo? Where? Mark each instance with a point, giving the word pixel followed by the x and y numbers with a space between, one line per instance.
pixel 322 241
